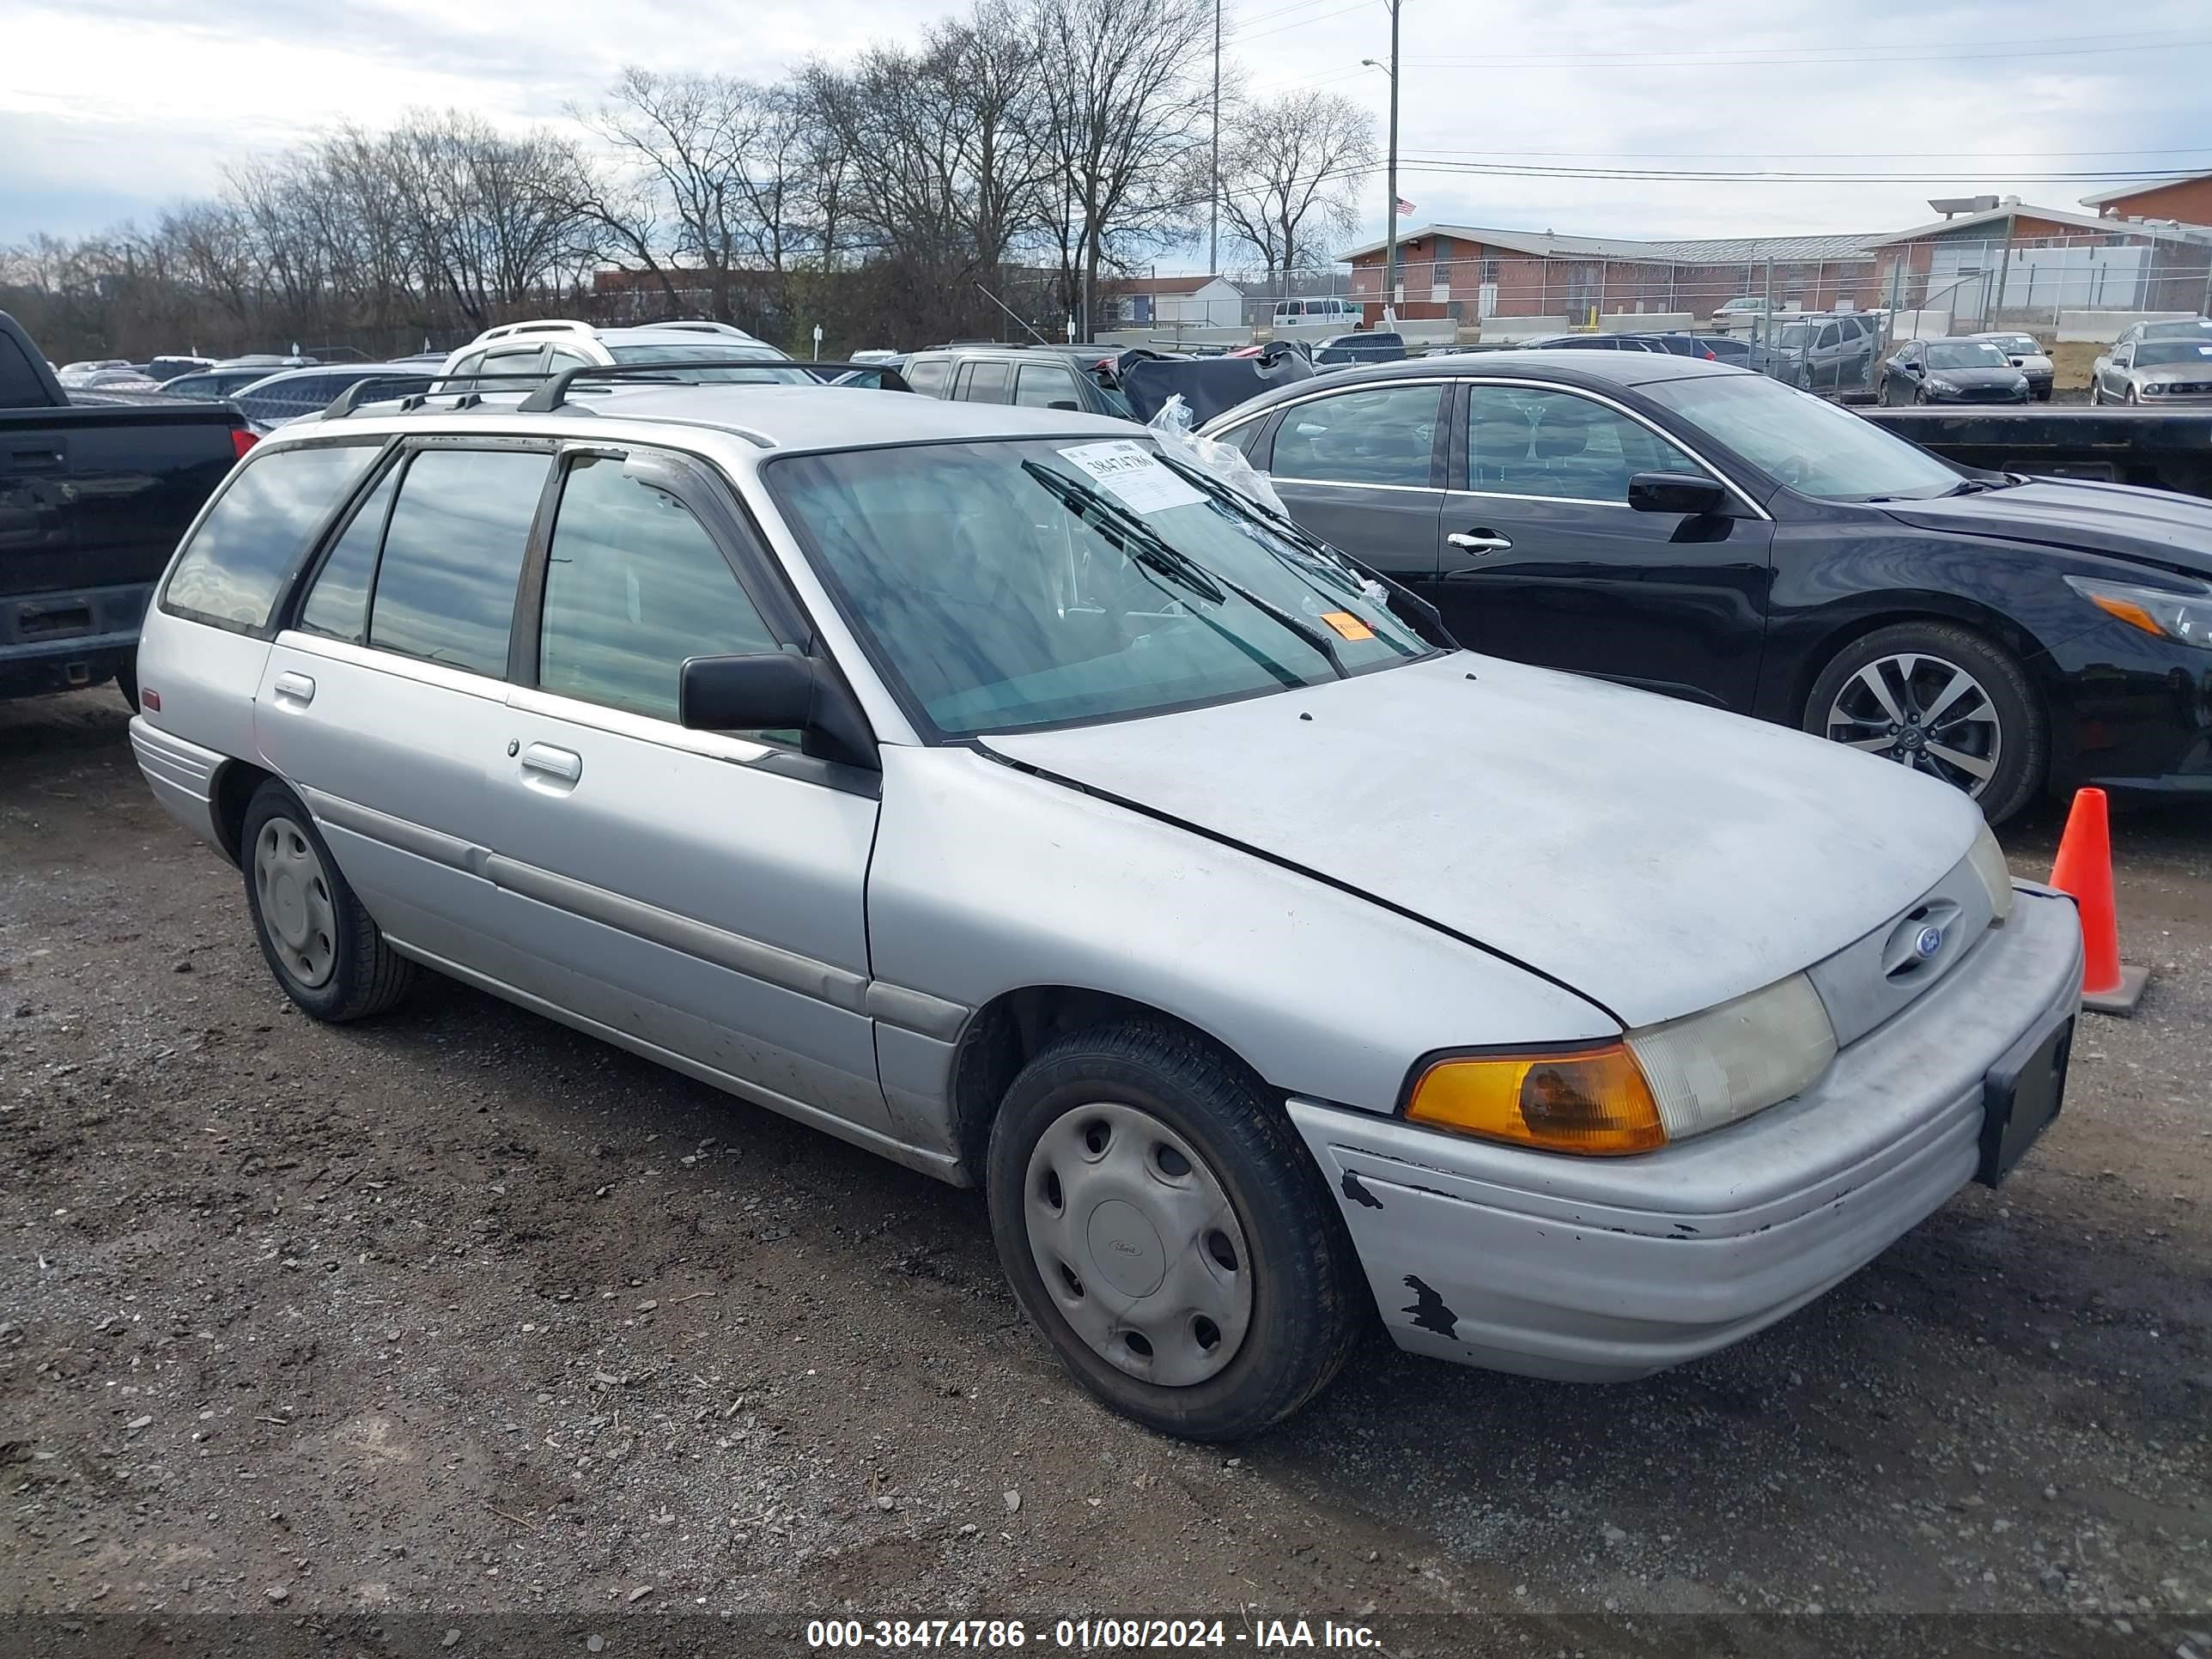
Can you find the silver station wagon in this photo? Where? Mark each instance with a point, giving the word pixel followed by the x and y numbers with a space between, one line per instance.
pixel 992 788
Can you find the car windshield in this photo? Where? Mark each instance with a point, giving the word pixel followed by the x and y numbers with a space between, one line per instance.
pixel 708 352
pixel 1814 446
pixel 2159 354
pixel 2021 343
pixel 1965 354
pixel 1024 582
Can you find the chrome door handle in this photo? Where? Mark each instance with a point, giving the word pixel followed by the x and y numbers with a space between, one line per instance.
pixel 298 686
pixel 1474 543
pixel 565 764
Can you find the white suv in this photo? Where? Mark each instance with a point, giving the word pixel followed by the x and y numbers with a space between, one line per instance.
pixel 549 345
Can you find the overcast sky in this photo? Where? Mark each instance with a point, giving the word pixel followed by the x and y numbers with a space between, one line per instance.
pixel 112 109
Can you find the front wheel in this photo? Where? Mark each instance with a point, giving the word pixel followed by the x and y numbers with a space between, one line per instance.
pixel 1165 1229
pixel 324 949
pixel 1942 699
pixel 1881 394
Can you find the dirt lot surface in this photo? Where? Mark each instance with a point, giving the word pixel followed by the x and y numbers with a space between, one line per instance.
pixel 457 1313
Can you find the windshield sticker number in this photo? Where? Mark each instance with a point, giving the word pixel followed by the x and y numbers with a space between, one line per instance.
pixel 1347 625
pixel 1133 475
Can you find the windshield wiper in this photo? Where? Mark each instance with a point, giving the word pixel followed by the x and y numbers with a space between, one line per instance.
pixel 1146 545
pixel 1324 553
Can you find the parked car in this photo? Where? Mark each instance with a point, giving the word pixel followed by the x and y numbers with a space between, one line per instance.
pixel 2165 371
pixel 1745 307
pixel 126 379
pixel 213 385
pixel 69 373
pixel 292 392
pixel 2025 353
pixel 95 488
pixel 1373 346
pixel 168 368
pixel 967 782
pixel 1699 530
pixel 1832 353
pixel 1949 371
pixel 544 348
pixel 1035 376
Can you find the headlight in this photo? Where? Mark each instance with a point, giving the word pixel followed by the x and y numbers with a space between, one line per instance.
pixel 1663 1083
pixel 1988 861
pixel 1740 1057
pixel 2154 389
pixel 1940 388
pixel 2183 617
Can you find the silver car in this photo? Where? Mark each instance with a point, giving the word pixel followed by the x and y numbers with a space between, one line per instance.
pixel 989 786
pixel 2155 372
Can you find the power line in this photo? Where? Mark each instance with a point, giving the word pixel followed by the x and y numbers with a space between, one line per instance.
pixel 1777 57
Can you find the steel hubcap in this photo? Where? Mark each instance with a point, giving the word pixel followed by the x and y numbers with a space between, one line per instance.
pixel 1138 1244
pixel 295 902
pixel 1924 712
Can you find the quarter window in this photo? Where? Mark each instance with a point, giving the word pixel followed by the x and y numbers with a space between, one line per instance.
pixel 445 591
pixel 634 586
pixel 1383 436
pixel 245 547
pixel 1522 441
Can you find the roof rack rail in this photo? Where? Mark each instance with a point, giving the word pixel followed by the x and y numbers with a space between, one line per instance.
pixel 552 394
pixel 701 325
pixel 536 325
pixel 464 387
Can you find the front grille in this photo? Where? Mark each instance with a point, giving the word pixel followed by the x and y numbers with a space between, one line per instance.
pixel 2183 389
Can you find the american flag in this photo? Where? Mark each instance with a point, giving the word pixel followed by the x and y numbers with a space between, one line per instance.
pixel 1405 209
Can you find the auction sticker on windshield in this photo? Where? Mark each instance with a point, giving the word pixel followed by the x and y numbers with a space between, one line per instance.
pixel 1133 475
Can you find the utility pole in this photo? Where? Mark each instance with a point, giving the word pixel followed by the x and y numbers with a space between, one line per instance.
pixel 1390 256
pixel 1213 201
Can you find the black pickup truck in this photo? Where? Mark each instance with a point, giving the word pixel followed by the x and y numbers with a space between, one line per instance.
pixel 96 492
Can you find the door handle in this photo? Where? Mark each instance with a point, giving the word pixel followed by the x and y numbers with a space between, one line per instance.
pixel 296 688
pixel 1479 541
pixel 563 764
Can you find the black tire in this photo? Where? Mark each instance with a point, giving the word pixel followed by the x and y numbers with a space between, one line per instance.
pixel 1307 1297
pixel 2096 394
pixel 1882 392
pixel 366 975
pixel 2024 740
pixel 126 680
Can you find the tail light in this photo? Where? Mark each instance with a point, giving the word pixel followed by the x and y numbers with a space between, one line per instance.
pixel 241 440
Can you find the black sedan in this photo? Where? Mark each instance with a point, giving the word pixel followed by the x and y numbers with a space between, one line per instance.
pixel 1704 531
pixel 1950 371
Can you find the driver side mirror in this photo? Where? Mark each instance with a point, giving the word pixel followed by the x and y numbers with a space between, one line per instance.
pixel 774 691
pixel 1676 492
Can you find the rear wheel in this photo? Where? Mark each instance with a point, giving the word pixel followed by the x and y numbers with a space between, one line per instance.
pixel 1942 699
pixel 1165 1229
pixel 325 949
pixel 126 680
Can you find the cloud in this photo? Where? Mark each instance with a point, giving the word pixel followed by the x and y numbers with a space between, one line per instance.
pixel 116 106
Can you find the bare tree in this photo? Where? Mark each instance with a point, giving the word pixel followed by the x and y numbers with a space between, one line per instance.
pixel 1290 169
pixel 1125 111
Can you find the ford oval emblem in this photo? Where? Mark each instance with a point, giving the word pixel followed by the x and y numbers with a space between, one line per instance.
pixel 1928 943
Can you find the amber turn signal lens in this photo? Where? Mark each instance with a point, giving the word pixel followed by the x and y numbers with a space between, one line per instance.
pixel 1592 1101
pixel 2129 612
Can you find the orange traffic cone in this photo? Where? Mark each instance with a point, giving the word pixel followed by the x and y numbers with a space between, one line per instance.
pixel 2084 868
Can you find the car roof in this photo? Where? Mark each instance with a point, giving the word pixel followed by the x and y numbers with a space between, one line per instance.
pixel 779 418
pixel 1596 371
pixel 359 371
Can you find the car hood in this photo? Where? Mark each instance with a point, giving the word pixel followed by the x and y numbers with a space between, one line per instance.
pixel 1656 856
pixel 2155 525
pixel 1975 377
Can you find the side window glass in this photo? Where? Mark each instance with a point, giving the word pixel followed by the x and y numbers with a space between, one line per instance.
pixel 445 591
pixel 1383 436
pixel 1829 335
pixel 337 605
pixel 1040 385
pixel 1523 441
pixel 245 547
pixel 634 586
pixel 926 376
pixel 983 383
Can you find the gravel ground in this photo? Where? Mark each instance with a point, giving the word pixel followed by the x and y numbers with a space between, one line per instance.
pixel 460 1314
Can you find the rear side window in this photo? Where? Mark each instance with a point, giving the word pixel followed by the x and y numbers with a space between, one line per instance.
pixel 1042 386
pixel 238 560
pixel 983 383
pixel 20 386
pixel 445 591
pixel 926 376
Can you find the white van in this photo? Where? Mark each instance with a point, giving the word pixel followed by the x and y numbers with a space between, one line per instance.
pixel 1323 316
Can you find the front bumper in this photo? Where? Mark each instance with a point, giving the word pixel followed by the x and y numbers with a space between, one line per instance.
pixel 1603 1269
